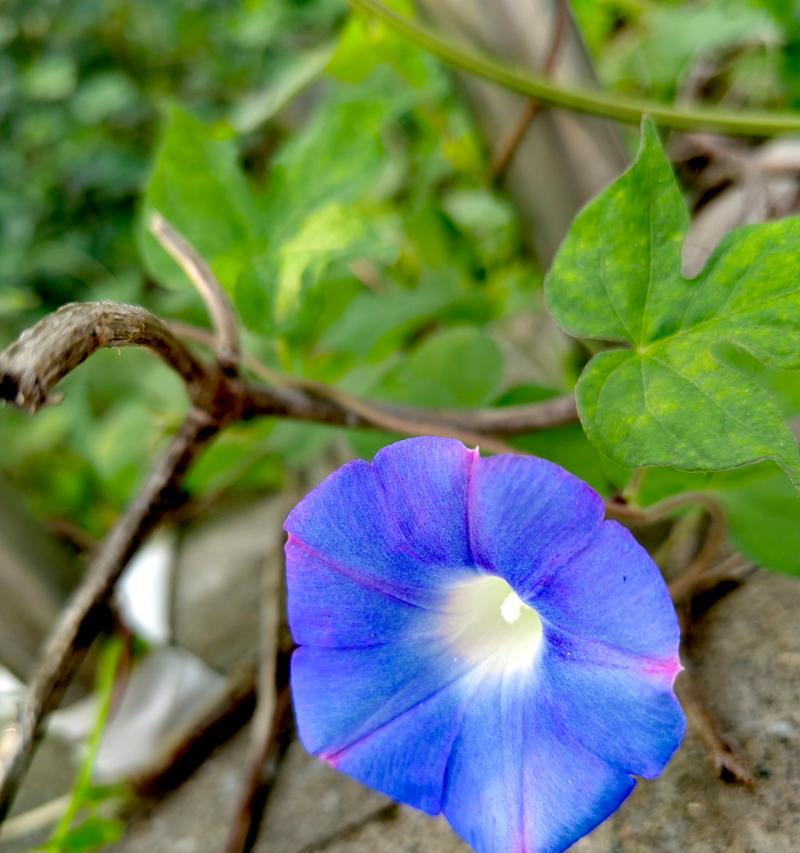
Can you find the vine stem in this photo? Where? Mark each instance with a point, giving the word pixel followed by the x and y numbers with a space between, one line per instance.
pixel 603 104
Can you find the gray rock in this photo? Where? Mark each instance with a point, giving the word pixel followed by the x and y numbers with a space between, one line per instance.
pixel 36 575
pixel 222 568
pixel 312 803
pixel 405 831
pixel 195 818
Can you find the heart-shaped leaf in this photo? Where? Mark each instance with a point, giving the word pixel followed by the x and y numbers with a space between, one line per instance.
pixel 665 398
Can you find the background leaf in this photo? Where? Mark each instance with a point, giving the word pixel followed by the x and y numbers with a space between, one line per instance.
pixel 763 511
pixel 198 186
pixel 761 506
pixel 457 368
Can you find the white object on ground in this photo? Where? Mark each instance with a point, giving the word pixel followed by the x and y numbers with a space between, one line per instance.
pixel 163 692
pixel 143 592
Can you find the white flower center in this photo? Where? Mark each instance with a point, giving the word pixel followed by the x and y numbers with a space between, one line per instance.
pixel 485 620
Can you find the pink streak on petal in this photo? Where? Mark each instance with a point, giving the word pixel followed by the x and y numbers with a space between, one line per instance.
pixel 666 669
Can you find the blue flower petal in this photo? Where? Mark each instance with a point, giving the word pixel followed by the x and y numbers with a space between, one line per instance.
pixel 611 595
pixel 426 482
pixel 341 695
pixel 399 524
pixel 527 517
pixel 415 673
pixel 331 607
pixel 518 780
pixel 385 715
pixel 626 714
pixel 406 758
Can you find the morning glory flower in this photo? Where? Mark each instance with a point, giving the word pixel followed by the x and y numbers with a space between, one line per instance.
pixel 475 640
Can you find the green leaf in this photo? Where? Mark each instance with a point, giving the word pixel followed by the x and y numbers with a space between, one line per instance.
pixel 51 78
pixel 120 445
pixel 93 834
pixel 372 319
pixel 332 233
pixel 456 368
pixel 240 457
pixel 289 78
pixel 674 39
pixel 365 45
pixel 667 398
pixel 198 186
pixel 339 157
pixel 319 206
pixel 299 444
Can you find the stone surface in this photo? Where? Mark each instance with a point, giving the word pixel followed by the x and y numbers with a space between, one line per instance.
pixel 404 831
pixel 218 585
pixel 36 575
pixel 310 804
pixel 194 818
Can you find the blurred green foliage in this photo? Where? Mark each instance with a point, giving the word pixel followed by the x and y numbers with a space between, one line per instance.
pixel 735 52
pixel 325 169
pixel 334 179
pixel 84 87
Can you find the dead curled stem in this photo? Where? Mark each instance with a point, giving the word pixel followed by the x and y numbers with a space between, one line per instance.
pixel 733 569
pixel 29 370
pixel 636 516
pixel 31 367
pixel 43 355
pixel 728 763
pixel 685 586
pixel 704 566
pixel 219 307
pixel 271 725
pixel 270 742
pixel 704 573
